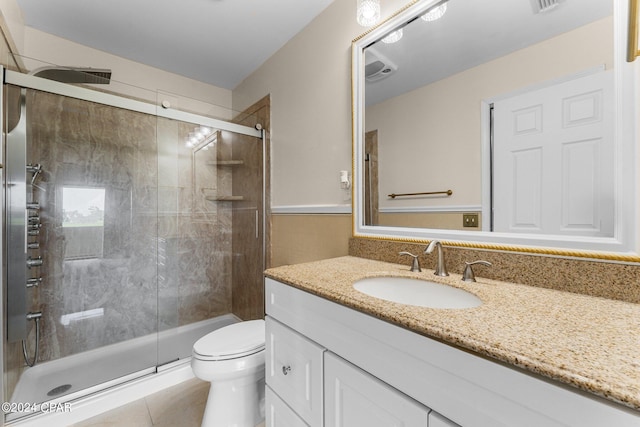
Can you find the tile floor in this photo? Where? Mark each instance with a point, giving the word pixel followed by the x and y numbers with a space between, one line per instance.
pixel 181 405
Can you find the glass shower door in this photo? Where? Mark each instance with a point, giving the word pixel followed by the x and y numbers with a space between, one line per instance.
pixel 210 222
pixel 97 235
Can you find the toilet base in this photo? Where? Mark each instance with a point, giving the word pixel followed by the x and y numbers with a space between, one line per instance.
pixel 235 404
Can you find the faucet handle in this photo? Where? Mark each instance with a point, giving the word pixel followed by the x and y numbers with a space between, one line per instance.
pixel 468 275
pixel 415 265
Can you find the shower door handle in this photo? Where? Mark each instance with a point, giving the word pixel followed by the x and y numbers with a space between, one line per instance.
pixel 257 224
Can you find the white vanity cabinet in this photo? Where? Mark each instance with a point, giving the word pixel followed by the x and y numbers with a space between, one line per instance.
pixel 319 385
pixel 294 371
pixel 371 371
pixel 355 398
pixel 278 413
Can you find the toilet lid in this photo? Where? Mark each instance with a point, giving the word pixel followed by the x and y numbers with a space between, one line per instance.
pixel 232 341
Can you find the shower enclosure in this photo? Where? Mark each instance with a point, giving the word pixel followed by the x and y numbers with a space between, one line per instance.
pixel 131 230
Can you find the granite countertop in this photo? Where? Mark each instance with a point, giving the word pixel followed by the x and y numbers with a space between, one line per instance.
pixel 588 342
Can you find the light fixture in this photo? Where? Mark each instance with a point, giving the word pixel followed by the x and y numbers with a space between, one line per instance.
pixel 435 13
pixel 197 136
pixel 368 12
pixel 393 37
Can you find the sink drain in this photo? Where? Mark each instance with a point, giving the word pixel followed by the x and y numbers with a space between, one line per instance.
pixel 59 390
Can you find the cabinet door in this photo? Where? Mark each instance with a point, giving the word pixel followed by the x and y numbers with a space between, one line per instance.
pixel 278 414
pixel 353 398
pixel 294 370
pixel 437 420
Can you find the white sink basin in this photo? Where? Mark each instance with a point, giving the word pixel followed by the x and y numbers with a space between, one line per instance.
pixel 405 290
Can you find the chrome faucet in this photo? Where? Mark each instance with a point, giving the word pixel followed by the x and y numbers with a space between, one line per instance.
pixel 441 267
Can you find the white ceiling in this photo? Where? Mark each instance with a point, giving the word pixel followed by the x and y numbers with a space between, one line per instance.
pixel 219 42
pixel 470 34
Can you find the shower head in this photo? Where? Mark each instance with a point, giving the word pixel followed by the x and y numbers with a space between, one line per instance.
pixel 75 75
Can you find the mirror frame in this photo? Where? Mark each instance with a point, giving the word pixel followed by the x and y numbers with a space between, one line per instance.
pixel 633 52
pixel 622 247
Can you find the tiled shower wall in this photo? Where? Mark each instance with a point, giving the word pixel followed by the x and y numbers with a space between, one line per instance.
pixel 194 249
pixel 87 145
pixel 250 259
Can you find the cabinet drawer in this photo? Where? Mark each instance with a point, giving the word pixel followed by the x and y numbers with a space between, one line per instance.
pixel 278 414
pixel 294 370
pixel 355 398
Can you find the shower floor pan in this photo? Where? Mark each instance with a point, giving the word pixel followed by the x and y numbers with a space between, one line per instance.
pixel 71 377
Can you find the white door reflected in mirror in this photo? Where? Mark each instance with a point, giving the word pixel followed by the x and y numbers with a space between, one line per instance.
pixel 553 157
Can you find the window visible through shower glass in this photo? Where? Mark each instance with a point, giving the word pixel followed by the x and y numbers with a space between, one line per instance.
pixel 83 222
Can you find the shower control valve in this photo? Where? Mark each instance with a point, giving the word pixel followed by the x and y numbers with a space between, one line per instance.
pixel 34 229
pixel 33 206
pixel 33 245
pixel 34 282
pixel 35 170
pixel 34 262
pixel 34 315
pixel 35 219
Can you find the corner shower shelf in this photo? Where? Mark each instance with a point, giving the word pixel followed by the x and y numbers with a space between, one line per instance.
pixel 224 198
pixel 226 163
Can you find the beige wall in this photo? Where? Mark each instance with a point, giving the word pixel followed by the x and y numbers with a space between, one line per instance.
pixel 309 80
pixel 443 220
pixel 12 25
pixel 419 133
pixel 303 238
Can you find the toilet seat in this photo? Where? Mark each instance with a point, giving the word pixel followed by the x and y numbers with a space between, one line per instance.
pixel 231 342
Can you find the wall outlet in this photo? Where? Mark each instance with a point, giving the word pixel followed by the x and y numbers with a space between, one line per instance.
pixel 470 220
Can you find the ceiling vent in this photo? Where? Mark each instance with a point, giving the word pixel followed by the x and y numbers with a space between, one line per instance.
pixel 377 67
pixel 541 6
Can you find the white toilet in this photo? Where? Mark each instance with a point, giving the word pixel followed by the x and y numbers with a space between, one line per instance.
pixel 232 359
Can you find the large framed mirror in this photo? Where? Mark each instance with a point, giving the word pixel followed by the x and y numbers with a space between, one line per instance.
pixel 506 124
